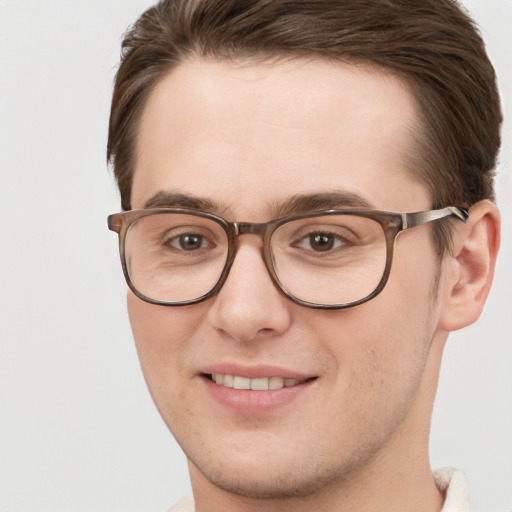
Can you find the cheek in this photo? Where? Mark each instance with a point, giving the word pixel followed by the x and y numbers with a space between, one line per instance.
pixel 378 343
pixel 383 345
pixel 415 266
pixel 162 336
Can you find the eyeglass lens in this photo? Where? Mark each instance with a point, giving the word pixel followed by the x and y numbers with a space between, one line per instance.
pixel 331 259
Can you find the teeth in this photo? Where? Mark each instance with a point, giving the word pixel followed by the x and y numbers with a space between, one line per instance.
pixel 259 384
pixel 241 383
pixel 275 383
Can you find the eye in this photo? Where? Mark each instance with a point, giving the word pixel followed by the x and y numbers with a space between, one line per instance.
pixel 188 242
pixel 320 242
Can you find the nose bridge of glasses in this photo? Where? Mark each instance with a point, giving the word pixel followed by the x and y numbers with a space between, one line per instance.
pixel 258 229
pixel 250 228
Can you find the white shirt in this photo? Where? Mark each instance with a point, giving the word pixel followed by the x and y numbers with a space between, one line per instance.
pixel 452 482
pixel 448 480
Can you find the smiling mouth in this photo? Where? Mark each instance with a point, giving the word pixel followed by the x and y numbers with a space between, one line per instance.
pixel 258 384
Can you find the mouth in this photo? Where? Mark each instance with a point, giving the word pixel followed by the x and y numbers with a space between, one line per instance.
pixel 256 384
pixel 255 390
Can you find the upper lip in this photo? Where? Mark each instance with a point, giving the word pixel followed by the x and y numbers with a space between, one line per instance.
pixel 254 371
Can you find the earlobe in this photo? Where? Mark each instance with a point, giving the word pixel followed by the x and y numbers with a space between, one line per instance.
pixel 470 269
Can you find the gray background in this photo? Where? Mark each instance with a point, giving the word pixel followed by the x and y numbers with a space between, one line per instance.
pixel 78 431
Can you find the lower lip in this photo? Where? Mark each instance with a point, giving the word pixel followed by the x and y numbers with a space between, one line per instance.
pixel 246 401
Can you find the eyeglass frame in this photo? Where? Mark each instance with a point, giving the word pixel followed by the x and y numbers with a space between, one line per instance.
pixel 392 224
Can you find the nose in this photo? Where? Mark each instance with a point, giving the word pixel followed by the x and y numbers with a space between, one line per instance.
pixel 249 306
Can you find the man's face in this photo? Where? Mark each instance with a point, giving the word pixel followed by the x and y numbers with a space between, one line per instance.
pixel 247 139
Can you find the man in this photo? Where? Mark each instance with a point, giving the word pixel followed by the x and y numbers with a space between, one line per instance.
pixel 309 212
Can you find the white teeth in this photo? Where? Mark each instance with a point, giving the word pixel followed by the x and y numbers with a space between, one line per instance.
pixel 259 384
pixel 275 383
pixel 241 383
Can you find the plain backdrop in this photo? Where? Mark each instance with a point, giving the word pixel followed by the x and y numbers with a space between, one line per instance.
pixel 78 430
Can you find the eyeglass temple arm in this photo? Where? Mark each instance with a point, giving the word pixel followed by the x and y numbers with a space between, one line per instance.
pixel 412 220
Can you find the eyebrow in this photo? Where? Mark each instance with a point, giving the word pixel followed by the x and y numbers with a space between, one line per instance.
pixel 319 201
pixel 301 203
pixel 179 200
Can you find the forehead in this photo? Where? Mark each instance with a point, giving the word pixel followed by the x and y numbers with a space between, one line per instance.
pixel 247 136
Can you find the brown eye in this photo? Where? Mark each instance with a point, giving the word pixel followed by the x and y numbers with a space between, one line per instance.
pixel 187 242
pixel 321 242
pixel 318 242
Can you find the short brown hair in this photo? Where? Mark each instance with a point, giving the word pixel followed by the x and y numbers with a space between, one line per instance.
pixel 432 44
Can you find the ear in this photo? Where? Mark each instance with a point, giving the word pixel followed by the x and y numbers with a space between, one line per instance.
pixel 470 268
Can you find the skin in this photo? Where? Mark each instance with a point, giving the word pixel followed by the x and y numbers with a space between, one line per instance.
pixel 248 138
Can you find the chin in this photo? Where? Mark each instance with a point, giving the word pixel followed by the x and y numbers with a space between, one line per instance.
pixel 276 474
pixel 267 484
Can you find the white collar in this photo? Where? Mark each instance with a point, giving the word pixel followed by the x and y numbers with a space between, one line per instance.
pixel 455 486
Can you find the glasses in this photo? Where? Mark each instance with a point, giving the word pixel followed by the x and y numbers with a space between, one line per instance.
pixel 330 259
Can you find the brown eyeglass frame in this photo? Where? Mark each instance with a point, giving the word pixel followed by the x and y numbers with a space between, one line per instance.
pixel 392 224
